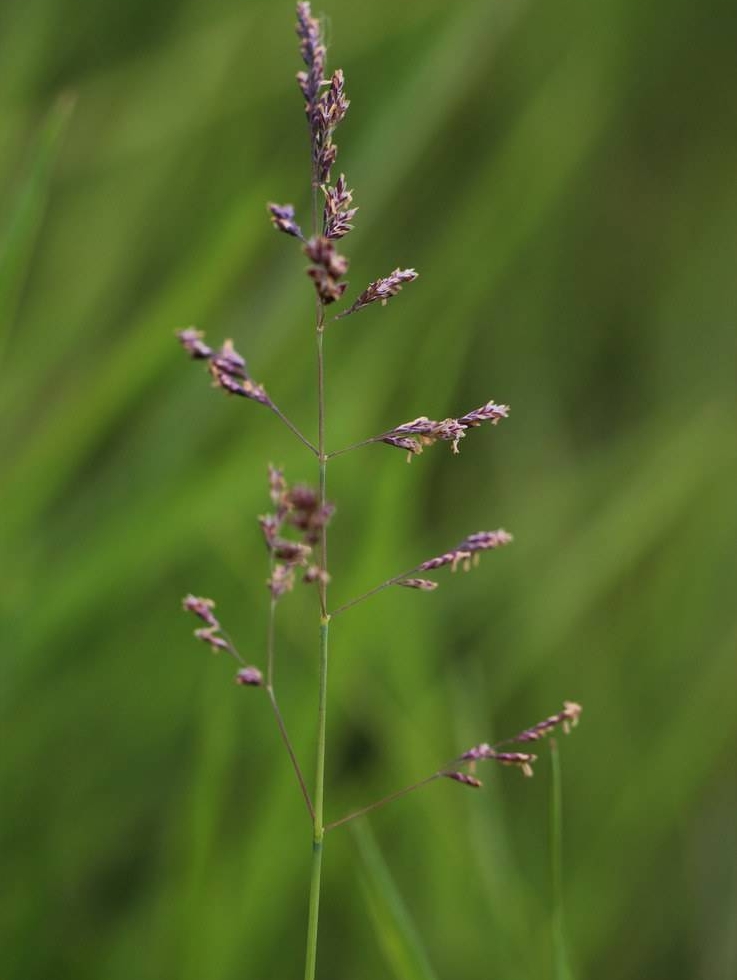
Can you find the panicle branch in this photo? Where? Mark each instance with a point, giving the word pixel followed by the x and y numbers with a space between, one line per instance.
pixel 466 553
pixel 217 639
pixel 230 373
pixel 420 432
pixel 455 768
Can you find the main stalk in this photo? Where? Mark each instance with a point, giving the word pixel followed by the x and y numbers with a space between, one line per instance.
pixel 318 830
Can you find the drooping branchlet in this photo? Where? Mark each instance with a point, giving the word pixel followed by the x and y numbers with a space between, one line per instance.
pixel 381 290
pixel 227 367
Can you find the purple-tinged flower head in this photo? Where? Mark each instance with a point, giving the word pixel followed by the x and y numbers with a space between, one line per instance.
pixel 282 218
pixel 330 111
pixel 423 584
pixel 278 490
pixel 227 367
pixel 329 266
pixel 322 252
pixel 566 719
pixel 381 290
pixel 413 446
pixel 228 361
pixel 422 431
pixel 312 49
pixel 270 526
pixel 249 677
pixel 338 213
pixel 281 580
pixel 191 341
pixel 242 387
pixel 202 608
pixel 481 541
pixel 325 100
pixel 315 574
pixel 522 760
pixel 465 778
pixel 490 412
pixel 484 540
pixel 291 552
pixel 211 636
pixel 307 514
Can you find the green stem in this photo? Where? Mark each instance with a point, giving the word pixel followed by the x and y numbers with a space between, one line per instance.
pixel 562 969
pixel 318 827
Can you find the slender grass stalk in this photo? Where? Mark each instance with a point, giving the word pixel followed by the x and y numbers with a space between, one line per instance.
pixel 275 704
pixel 318 828
pixel 302 511
pixel 318 831
pixel 560 950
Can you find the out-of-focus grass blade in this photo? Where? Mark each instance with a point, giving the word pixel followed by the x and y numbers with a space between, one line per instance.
pixel 21 225
pixel 395 929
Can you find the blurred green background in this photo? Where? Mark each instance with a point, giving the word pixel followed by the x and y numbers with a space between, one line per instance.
pixel 563 177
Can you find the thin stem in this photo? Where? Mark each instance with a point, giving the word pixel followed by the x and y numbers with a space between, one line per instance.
pixel 376 588
pixel 383 801
pixel 290 750
pixel 323 463
pixel 562 969
pixel 270 633
pixel 318 828
pixel 290 425
pixel 356 445
pixel 232 649
pixel 275 705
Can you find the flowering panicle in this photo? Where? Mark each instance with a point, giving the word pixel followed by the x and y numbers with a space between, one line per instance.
pixel 381 290
pixel 295 529
pixel 227 367
pixel 414 436
pixel 324 109
pixel 567 719
pixel 327 269
pixel 468 549
pixel 312 49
